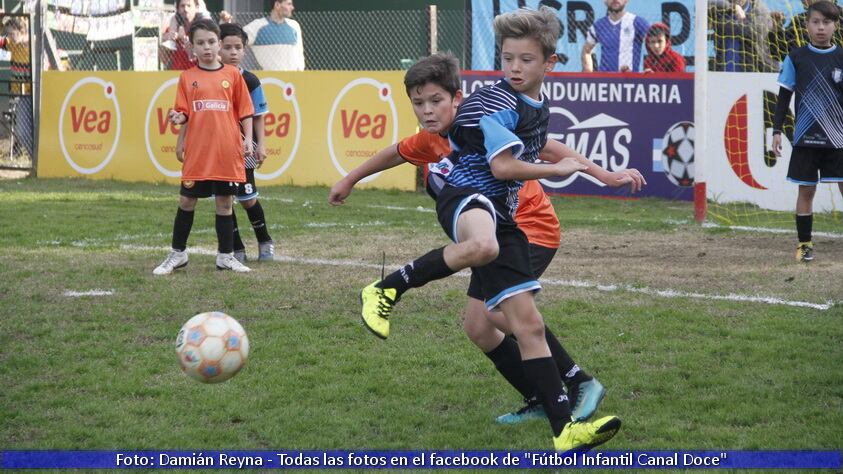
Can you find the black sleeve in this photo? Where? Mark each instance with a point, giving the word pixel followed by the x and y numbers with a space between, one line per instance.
pixel 252 81
pixel 782 106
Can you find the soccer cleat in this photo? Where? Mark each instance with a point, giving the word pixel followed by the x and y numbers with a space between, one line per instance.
pixel 266 251
pixel 531 411
pixel 805 252
pixel 226 261
pixel 585 396
pixel 240 255
pixel 584 435
pixel 377 306
pixel 176 259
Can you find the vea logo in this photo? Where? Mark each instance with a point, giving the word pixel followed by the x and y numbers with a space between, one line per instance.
pixel 281 129
pixel 160 135
pixel 89 125
pixel 362 120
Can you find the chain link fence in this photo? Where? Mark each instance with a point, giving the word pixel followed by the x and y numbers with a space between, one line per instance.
pixel 17 142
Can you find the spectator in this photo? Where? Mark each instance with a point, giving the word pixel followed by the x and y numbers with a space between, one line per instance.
pixel 795 35
pixel 174 41
pixel 741 31
pixel 620 35
pixel 660 54
pixel 276 39
pixel 16 41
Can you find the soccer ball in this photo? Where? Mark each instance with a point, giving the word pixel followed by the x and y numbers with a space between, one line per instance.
pixel 678 154
pixel 212 347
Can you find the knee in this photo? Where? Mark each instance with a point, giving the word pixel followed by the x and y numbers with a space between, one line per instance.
pixel 531 330
pixel 224 207
pixel 187 204
pixel 483 251
pixel 248 204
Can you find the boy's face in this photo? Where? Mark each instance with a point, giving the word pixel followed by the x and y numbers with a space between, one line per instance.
pixel 820 29
pixel 18 36
pixel 434 106
pixel 524 65
pixel 232 50
pixel 206 46
pixel 657 44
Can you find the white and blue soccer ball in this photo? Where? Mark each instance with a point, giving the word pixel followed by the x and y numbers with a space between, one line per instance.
pixel 678 154
pixel 212 347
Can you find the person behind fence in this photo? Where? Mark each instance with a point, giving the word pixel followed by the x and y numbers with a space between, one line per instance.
pixel 815 73
pixel 741 32
pixel 620 35
pixel 276 39
pixel 660 54
pixel 795 34
pixel 175 43
pixel 15 39
pixel 214 98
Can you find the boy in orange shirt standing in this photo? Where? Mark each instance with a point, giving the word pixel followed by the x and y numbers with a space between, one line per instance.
pixel 215 99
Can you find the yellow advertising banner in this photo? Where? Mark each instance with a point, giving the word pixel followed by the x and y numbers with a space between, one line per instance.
pixel 321 124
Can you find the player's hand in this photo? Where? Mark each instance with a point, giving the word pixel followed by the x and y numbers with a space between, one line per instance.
pixel 180 154
pixel 625 69
pixel 338 193
pixel 630 176
pixel 740 13
pixel 568 166
pixel 777 144
pixel 176 118
pixel 260 154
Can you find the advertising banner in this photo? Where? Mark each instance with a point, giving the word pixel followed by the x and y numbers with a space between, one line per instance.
pixel 112 125
pixel 620 121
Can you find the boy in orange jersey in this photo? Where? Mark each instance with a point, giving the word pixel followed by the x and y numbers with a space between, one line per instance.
pixel 215 99
pixel 433 87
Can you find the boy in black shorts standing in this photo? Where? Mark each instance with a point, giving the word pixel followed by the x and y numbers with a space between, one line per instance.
pixel 815 73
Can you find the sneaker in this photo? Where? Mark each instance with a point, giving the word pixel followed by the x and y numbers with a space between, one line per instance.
pixel 531 411
pixel 805 252
pixel 377 306
pixel 266 251
pixel 585 397
pixel 226 261
pixel 240 255
pixel 173 261
pixel 584 435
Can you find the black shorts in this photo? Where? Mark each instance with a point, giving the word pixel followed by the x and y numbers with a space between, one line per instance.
pixel 807 162
pixel 510 273
pixel 248 190
pixel 540 258
pixel 204 189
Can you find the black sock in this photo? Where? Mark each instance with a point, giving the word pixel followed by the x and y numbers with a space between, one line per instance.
pixel 544 375
pixel 238 242
pixel 804 223
pixel 181 229
pixel 430 266
pixel 507 359
pixel 225 234
pixel 258 220
pixel 568 369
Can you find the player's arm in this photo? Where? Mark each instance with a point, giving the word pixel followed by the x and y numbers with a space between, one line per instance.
pixel 505 166
pixel 260 141
pixel 787 82
pixel 380 161
pixel 555 151
pixel 246 124
pixel 180 144
pixel 587 49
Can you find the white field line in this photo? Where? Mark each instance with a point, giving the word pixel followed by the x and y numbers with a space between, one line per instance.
pixel 772 300
pixel 79 294
pixel 770 230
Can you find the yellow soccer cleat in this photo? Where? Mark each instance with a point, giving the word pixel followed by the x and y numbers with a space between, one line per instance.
pixel 805 252
pixel 377 306
pixel 583 435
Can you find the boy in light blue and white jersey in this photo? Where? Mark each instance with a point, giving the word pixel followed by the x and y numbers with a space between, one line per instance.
pixel 276 39
pixel 620 35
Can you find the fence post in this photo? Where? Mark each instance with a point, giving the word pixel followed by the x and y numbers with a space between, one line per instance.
pixel 36 28
pixel 434 30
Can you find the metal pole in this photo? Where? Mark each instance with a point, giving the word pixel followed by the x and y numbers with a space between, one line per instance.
pixel 700 108
pixel 37 51
pixel 434 30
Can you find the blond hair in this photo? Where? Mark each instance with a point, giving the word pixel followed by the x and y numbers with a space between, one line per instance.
pixel 541 25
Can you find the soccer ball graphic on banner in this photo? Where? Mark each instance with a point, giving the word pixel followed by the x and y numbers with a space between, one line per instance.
pixel 678 154
pixel 212 347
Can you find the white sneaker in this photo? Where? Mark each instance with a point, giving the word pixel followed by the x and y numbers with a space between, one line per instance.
pixel 266 251
pixel 226 261
pixel 173 261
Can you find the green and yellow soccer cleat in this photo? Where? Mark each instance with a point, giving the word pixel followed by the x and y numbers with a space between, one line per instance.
pixel 805 252
pixel 583 435
pixel 377 306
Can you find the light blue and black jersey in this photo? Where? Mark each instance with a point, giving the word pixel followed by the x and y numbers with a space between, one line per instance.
pixel 816 76
pixel 259 103
pixel 492 120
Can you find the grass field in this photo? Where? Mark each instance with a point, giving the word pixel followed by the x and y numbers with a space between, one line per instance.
pixel 633 294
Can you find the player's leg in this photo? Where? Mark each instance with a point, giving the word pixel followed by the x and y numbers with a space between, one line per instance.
pixel 239 246
pixel 182 224
pixel 803 170
pixel 224 225
pixel 249 200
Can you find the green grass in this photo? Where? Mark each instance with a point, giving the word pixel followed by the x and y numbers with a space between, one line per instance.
pixel 100 372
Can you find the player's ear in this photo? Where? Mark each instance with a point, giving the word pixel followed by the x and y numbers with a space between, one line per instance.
pixel 458 97
pixel 551 62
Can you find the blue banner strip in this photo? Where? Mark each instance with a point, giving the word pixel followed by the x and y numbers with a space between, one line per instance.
pixel 284 459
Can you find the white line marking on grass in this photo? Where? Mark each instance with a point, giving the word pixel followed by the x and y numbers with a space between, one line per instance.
pixel 399 208
pixel 79 294
pixel 772 300
pixel 769 230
